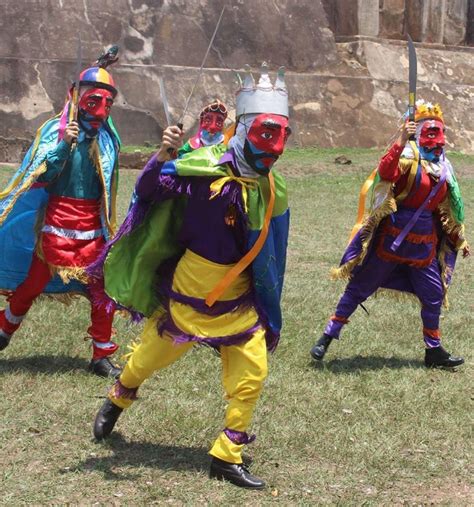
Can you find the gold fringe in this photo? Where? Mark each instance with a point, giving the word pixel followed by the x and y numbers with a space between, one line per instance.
pixel 445 271
pixel 450 226
pixel 397 295
pixel 26 185
pixel 67 274
pixel 95 157
pixel 367 232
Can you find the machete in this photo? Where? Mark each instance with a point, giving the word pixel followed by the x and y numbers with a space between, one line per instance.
pixel 77 79
pixel 412 69
pixel 164 100
pixel 180 122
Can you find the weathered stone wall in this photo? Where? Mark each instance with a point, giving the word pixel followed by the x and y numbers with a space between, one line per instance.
pixel 346 93
pixel 432 21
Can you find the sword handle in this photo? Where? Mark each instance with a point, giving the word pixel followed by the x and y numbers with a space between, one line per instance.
pixel 170 151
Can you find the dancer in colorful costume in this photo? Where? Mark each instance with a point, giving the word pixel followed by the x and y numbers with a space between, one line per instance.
pixel 410 240
pixel 211 127
pixel 217 220
pixel 59 210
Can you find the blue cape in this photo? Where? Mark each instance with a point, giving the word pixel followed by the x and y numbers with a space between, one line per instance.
pixel 21 201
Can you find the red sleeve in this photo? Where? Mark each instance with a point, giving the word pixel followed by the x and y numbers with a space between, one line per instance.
pixel 388 166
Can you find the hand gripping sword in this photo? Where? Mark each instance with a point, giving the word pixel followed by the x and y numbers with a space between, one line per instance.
pixel 179 124
pixel 412 69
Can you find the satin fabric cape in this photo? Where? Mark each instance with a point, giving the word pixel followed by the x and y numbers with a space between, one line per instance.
pixel 132 261
pixel 22 200
pixel 449 220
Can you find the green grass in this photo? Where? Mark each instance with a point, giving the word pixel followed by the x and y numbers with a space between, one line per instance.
pixel 370 426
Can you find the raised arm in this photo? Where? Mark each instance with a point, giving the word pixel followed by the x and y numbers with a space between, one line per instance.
pixel 389 169
pixel 148 181
pixel 56 158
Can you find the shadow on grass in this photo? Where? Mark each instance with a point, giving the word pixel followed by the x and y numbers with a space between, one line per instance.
pixel 367 363
pixel 43 364
pixel 144 454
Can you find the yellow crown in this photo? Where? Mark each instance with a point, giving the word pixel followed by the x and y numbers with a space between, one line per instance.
pixel 428 111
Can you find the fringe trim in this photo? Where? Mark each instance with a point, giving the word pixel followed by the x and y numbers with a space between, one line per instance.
pixel 67 274
pixel 366 234
pixel 95 157
pixel 119 391
pixel 24 187
pixel 416 263
pixel 450 226
pixel 167 326
pixel 397 295
pixel 446 271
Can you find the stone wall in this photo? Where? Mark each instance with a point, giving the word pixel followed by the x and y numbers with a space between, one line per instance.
pixel 346 90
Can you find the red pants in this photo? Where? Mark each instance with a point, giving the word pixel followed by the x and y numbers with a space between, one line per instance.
pixel 20 302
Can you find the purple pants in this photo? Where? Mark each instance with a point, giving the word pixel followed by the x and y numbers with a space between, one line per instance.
pixel 426 283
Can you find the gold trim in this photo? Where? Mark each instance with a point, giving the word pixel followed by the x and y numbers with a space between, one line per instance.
pixel 413 170
pixel 94 155
pixel 367 232
pixel 450 226
pixel 26 185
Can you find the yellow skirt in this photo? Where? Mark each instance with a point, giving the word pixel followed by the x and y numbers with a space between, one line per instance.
pixel 195 277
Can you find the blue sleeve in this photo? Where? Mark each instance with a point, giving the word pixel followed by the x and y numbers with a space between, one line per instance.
pixel 55 160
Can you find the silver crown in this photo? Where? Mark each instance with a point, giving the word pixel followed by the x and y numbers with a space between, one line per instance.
pixel 263 97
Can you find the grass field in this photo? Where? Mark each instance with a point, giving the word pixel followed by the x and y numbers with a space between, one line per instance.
pixel 370 426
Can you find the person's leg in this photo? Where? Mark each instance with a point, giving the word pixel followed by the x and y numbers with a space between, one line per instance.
pixel 21 300
pixel 244 368
pixel 103 347
pixel 153 353
pixel 429 289
pixel 363 284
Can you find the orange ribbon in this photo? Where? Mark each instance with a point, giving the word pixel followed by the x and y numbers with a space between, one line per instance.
pixel 247 259
pixel 361 209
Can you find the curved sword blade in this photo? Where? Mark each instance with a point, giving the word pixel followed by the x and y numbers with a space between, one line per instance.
pixel 164 100
pixel 412 71
pixel 202 65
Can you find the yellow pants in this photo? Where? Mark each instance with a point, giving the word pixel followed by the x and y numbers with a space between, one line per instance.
pixel 244 368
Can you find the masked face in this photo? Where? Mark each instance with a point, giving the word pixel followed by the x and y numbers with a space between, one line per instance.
pixel 432 140
pixel 211 125
pixel 94 109
pixel 265 141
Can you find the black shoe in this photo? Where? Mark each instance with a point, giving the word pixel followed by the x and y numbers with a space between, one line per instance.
pixel 439 357
pixel 105 419
pixel 235 473
pixel 104 368
pixel 4 340
pixel 321 347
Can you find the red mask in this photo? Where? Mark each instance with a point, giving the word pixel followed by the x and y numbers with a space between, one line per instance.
pixel 95 105
pixel 212 122
pixel 266 140
pixel 432 135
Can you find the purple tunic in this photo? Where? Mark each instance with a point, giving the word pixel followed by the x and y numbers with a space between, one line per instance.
pixel 212 228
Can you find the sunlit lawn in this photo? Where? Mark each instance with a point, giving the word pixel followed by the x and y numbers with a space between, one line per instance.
pixel 371 426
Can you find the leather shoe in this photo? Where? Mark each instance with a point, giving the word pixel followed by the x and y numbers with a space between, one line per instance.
pixel 235 473
pixel 105 419
pixel 4 341
pixel 439 357
pixel 104 367
pixel 321 347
